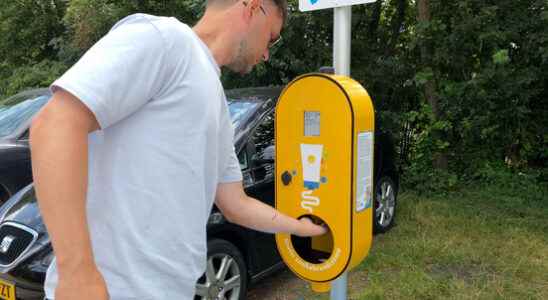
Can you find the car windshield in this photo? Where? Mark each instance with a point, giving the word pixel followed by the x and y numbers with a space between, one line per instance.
pixel 11 117
pixel 240 109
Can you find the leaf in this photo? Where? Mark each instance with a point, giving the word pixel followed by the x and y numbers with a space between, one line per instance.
pixel 423 77
pixel 501 57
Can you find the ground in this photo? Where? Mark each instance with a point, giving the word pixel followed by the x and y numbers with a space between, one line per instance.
pixel 473 243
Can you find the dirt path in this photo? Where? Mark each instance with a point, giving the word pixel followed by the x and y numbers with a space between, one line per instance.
pixel 284 285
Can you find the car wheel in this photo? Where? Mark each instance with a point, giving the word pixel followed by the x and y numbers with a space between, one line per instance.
pixel 385 204
pixel 226 273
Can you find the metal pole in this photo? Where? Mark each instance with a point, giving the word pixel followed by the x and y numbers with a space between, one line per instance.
pixel 341 61
pixel 341 39
pixel 339 287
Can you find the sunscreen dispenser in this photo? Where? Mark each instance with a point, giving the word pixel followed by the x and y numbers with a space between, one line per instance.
pixel 324 168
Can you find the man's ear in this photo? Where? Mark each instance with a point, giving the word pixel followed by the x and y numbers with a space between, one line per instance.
pixel 249 9
pixel 253 5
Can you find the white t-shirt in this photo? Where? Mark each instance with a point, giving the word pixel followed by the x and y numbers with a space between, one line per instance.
pixel 166 141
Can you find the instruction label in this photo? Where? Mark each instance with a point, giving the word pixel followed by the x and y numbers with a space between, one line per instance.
pixel 364 184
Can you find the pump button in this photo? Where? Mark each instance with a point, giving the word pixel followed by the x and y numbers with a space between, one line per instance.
pixel 286 178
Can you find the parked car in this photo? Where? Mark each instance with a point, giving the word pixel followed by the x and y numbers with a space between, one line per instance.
pixel 15 115
pixel 239 256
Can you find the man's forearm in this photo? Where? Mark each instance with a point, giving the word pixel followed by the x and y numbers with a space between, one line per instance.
pixel 238 208
pixel 256 215
pixel 59 163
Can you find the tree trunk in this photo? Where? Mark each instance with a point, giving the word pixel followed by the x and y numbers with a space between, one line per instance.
pixel 430 87
pixel 375 18
pixel 396 24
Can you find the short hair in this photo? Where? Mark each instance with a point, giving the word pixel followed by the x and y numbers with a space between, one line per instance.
pixel 280 4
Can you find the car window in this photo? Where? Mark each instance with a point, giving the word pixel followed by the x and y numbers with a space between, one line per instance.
pixel 240 109
pixel 242 158
pixel 22 96
pixel 14 116
pixel 263 138
pixel 247 179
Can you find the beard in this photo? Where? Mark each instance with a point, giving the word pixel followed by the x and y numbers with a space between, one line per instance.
pixel 240 64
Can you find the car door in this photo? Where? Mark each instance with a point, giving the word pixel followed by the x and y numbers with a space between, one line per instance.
pixel 260 151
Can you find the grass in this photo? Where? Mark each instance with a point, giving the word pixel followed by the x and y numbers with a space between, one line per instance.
pixel 485 242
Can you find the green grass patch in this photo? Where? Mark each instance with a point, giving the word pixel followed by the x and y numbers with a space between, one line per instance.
pixel 477 243
pixel 483 242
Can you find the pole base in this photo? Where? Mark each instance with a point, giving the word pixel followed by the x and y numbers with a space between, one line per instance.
pixel 320 287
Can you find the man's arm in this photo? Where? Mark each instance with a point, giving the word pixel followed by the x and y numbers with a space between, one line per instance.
pixel 240 209
pixel 59 153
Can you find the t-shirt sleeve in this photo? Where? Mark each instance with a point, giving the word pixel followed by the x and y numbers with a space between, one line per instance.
pixel 120 73
pixel 232 171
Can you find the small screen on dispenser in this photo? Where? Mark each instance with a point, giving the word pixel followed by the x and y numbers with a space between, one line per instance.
pixel 311 123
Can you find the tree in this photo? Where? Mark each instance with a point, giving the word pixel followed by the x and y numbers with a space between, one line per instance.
pixel 468 79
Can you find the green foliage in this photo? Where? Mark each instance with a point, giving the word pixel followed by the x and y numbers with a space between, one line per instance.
pixel 529 185
pixel 490 67
pixel 27 27
pixel 501 57
pixel 419 174
pixel 486 60
pixel 38 75
pixel 493 88
pixel 88 20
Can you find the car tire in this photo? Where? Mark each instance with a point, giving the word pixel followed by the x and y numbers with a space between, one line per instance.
pixel 226 273
pixel 384 204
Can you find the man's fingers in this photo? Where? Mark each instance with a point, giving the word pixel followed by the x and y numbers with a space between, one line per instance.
pixel 311 229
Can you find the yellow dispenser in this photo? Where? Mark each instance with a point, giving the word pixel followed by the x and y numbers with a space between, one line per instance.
pixel 324 169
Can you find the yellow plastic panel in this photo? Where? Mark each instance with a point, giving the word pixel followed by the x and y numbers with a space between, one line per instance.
pixel 319 121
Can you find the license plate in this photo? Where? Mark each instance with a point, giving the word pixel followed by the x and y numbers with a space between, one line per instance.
pixel 7 290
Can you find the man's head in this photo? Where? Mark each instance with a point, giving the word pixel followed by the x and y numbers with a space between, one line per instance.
pixel 251 28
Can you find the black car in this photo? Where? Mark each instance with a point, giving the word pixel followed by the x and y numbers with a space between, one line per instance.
pixel 15 116
pixel 240 255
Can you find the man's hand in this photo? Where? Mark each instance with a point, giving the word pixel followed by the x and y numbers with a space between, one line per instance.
pixel 308 228
pixel 84 284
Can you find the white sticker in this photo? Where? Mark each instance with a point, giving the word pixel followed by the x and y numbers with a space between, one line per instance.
pixel 311 157
pixel 307 5
pixel 364 191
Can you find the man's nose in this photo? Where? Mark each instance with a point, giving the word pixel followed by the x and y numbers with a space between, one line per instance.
pixel 266 55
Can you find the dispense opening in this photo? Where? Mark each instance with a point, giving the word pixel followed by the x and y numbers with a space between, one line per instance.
pixel 316 249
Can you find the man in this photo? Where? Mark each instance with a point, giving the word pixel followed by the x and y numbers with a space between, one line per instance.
pixel 135 146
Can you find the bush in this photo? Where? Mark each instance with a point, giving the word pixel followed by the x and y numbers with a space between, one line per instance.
pixel 526 184
pixel 33 76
